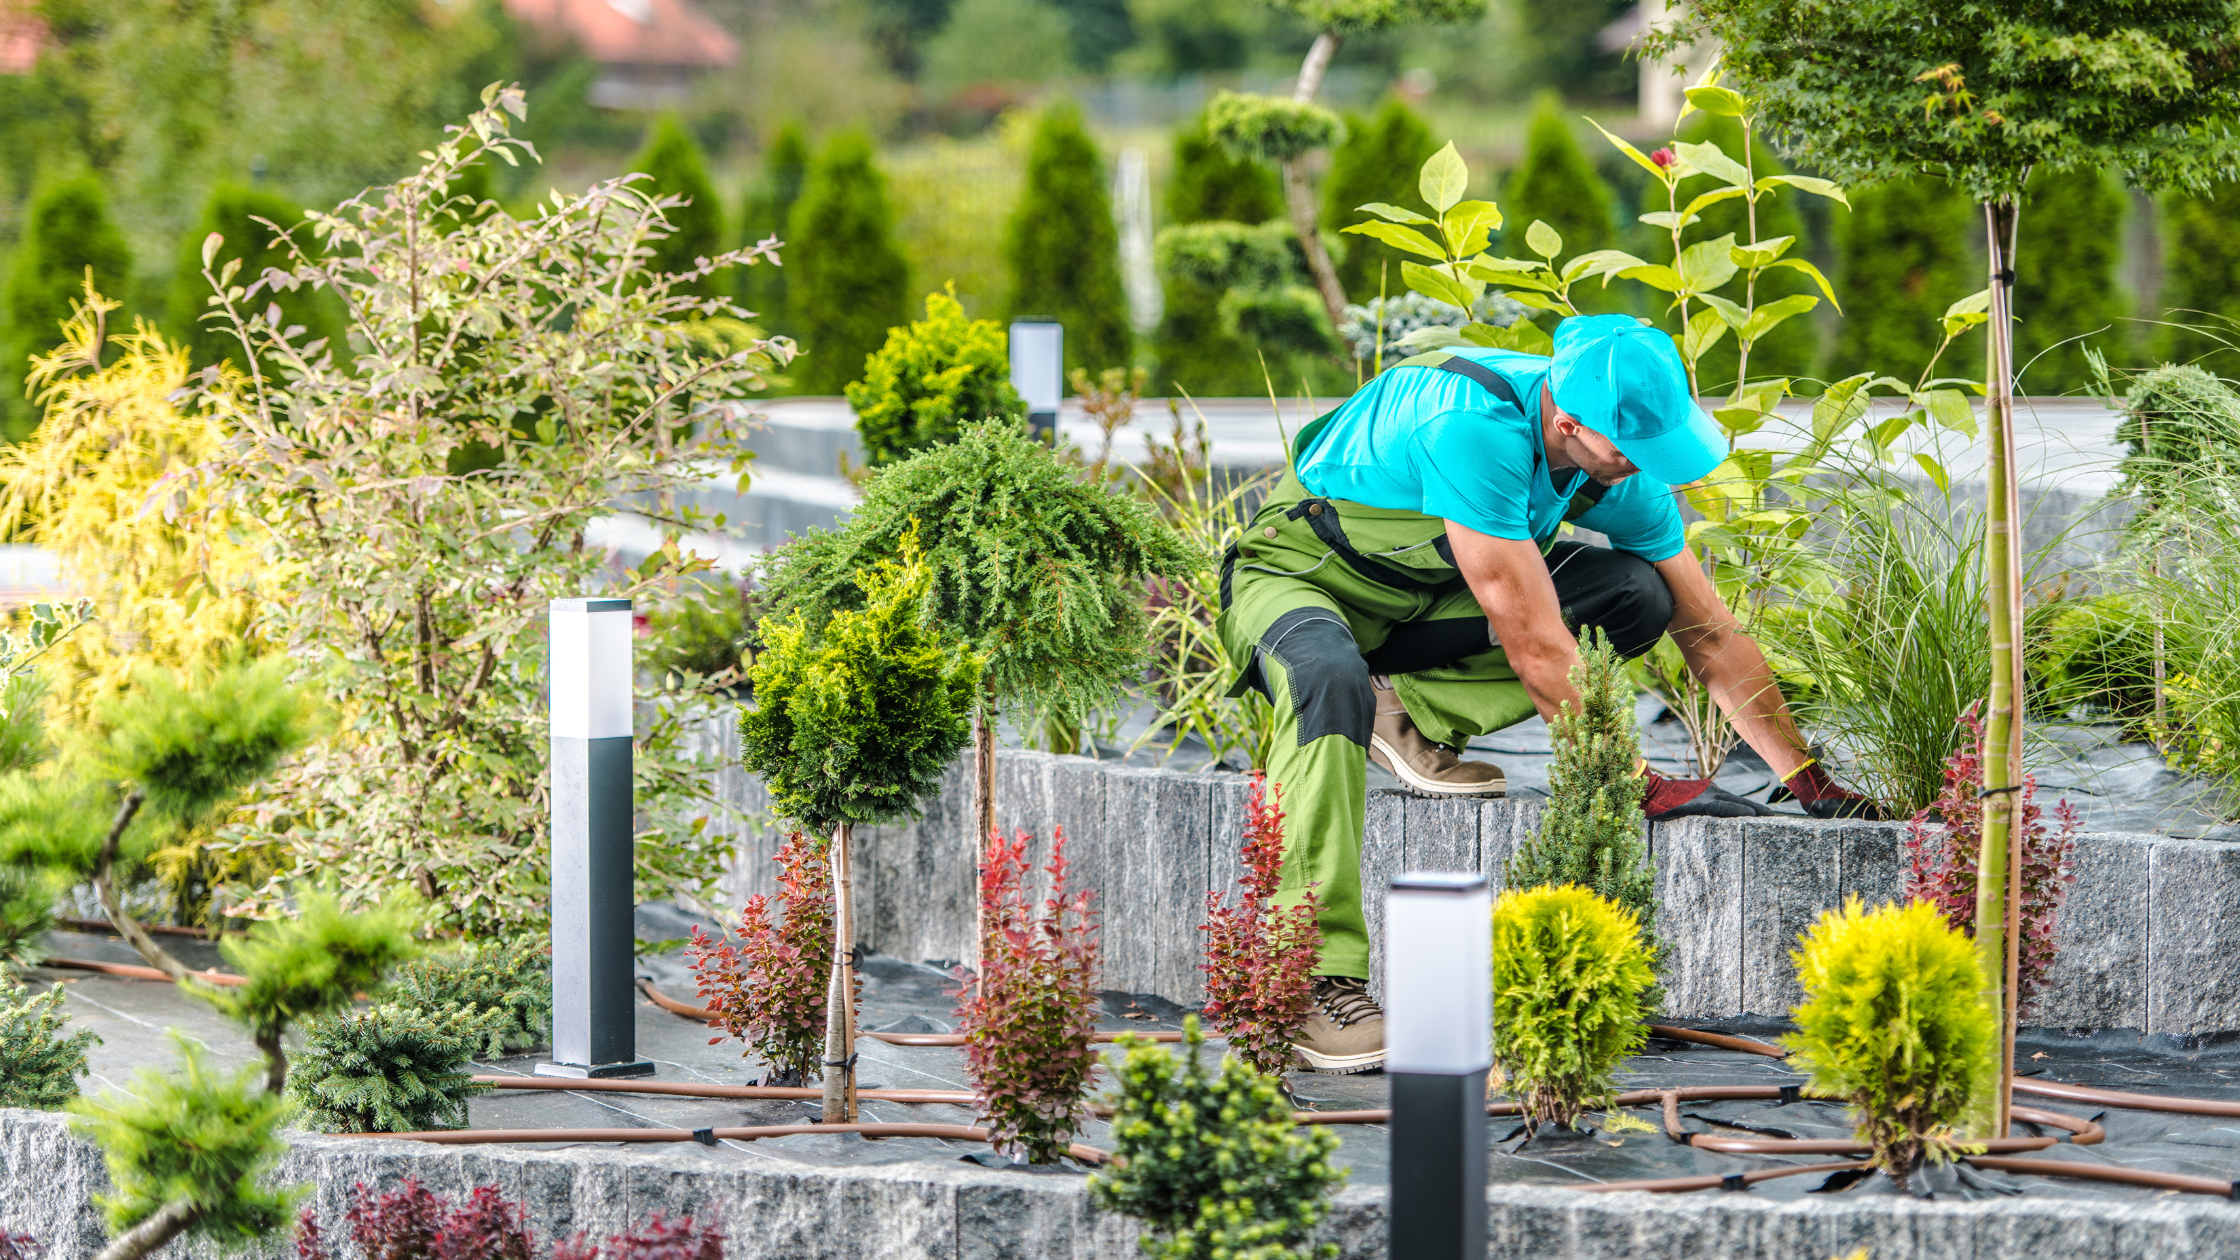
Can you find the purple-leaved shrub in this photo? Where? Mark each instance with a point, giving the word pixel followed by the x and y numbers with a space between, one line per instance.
pixel 1260 959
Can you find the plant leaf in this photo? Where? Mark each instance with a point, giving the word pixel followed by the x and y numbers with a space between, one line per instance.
pixel 1806 183
pixel 1524 336
pixel 1443 178
pixel 1766 317
pixel 1639 159
pixel 1723 101
pixel 1398 237
pixel 1761 255
pixel 1668 219
pixel 1705 327
pixel 1950 409
pixel 1712 160
pixel 1397 214
pixel 1706 265
pixel 1543 240
pixel 1805 265
pixel 1437 284
pixel 1936 472
pixel 1468 225
pixel 1729 311
pixel 1655 275
pixel 1600 262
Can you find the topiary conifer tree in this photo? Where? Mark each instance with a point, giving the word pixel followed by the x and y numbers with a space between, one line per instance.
pixel 1063 249
pixel 1208 183
pixel 38 1066
pixel 1194 354
pixel 2200 278
pixel 850 285
pixel 1557 185
pixel 1902 257
pixel 932 378
pixel 857 712
pixel 2065 286
pixel 66 230
pixel 1377 162
pixel 674 161
pixel 766 291
pixel 1572 985
pixel 234 213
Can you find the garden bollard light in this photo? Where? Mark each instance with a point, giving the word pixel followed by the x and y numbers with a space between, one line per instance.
pixel 1038 372
pixel 1438 1046
pixel 594 1028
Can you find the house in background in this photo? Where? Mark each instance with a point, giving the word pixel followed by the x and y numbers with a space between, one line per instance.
pixel 648 51
pixel 22 35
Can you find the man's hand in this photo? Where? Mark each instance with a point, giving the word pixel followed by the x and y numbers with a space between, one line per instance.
pixel 1693 798
pixel 1510 578
pixel 1823 797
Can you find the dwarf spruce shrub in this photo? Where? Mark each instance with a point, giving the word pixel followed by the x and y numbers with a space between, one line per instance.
pixel 1571 982
pixel 1029 1016
pixel 931 379
pixel 1590 829
pixel 39 1067
pixel 1260 959
pixel 391 1068
pixel 1210 1161
pixel 767 990
pixel 1894 1022
pixel 509 980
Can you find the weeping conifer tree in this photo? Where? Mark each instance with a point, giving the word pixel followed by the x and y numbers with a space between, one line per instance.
pixel 672 157
pixel 850 284
pixel 1063 250
pixel 763 289
pixel 1902 256
pixel 1377 162
pixel 2065 296
pixel 239 215
pixel 67 230
pixel 2200 280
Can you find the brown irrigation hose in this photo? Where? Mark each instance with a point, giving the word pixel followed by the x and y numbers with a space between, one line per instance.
pixel 102 927
pixel 703 1014
pixel 132 972
pixel 1718 1181
pixel 709 1137
pixel 2129 1102
pixel 956 1097
pixel 1720 1040
pixel 2103 1172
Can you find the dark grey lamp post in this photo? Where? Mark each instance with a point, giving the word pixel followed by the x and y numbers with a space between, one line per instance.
pixel 1438 1047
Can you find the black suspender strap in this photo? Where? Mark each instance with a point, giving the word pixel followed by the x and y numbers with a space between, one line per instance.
pixel 1476 371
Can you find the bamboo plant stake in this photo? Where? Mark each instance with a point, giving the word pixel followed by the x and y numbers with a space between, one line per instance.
pixel 840 1103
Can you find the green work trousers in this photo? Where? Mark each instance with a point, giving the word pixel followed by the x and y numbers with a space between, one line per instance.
pixel 1321 594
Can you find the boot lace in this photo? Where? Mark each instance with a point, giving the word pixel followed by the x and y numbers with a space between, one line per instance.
pixel 1345 999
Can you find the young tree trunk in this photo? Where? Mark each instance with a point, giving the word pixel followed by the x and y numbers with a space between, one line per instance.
pixel 104 888
pixel 1298 190
pixel 840 1010
pixel 983 808
pixel 1999 879
pixel 151 1234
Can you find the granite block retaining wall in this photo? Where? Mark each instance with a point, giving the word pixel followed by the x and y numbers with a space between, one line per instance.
pixel 927 1210
pixel 2146 943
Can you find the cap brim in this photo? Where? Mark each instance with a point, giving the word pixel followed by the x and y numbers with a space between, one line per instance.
pixel 1678 456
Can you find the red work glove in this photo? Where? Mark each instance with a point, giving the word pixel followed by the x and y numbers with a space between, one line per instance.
pixel 1823 797
pixel 1693 798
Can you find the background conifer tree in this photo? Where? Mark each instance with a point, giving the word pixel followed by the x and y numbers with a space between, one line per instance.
pixel 1194 353
pixel 672 157
pixel 1903 255
pixel 1207 183
pixel 850 284
pixel 764 289
pixel 1792 348
pixel 1377 162
pixel 233 212
pixel 66 230
pixel 1557 185
pixel 2200 278
pixel 2065 282
pixel 1063 250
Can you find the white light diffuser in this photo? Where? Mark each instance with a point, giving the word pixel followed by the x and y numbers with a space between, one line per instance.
pixel 590 668
pixel 1038 365
pixel 1438 966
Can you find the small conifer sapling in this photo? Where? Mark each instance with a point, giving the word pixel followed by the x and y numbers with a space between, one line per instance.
pixel 509 978
pixel 1260 958
pixel 768 989
pixel 1030 1015
pixel 38 1067
pixel 1570 983
pixel 390 1068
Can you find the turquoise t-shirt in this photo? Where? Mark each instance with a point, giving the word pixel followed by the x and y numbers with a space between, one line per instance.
pixel 1427 440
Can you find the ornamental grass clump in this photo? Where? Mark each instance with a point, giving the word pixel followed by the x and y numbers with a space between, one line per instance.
pixel 1260 958
pixel 768 989
pixel 1571 983
pixel 1894 1023
pixel 510 980
pixel 39 1067
pixel 1944 844
pixel 1211 1162
pixel 390 1068
pixel 1029 1016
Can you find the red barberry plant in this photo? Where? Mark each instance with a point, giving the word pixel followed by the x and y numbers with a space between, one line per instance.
pixel 769 989
pixel 1260 959
pixel 1029 1016
pixel 415 1223
pixel 15 1246
pixel 657 1239
pixel 1943 843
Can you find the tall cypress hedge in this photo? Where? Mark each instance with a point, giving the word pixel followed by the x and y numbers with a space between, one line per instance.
pixel 763 288
pixel 1379 161
pixel 1063 249
pixel 1904 252
pixel 850 285
pixel 672 157
pixel 67 230
pixel 1793 349
pixel 2065 281
pixel 233 212
pixel 2200 279
pixel 1209 184
pixel 1556 184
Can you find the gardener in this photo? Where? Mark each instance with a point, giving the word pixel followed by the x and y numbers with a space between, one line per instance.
pixel 1402 590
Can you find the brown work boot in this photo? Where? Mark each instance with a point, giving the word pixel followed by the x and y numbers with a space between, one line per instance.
pixel 1396 744
pixel 1345 1031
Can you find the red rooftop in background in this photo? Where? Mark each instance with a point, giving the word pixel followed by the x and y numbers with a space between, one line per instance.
pixel 649 50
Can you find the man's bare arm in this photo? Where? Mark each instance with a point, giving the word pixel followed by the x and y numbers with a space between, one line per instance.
pixel 1729 663
pixel 1510 579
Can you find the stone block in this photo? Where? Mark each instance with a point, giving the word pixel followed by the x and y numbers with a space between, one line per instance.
pixel 2194 904
pixel 1792 872
pixel 1075 786
pixel 1157 820
pixel 1699 914
pixel 2101 964
pixel 1439 835
pixel 1503 825
pixel 1874 860
pixel 1383 846
pixel 922 880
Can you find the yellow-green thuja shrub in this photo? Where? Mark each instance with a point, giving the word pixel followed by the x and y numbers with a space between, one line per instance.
pixel 1571 981
pixel 1894 1023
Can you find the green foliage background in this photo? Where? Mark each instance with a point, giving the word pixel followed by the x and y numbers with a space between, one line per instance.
pixel 1904 254
pixel 766 291
pixel 1063 248
pixel 1557 185
pixel 678 169
pixel 1207 183
pixel 2065 280
pixel 66 230
pixel 233 211
pixel 2200 278
pixel 1377 162
pixel 850 283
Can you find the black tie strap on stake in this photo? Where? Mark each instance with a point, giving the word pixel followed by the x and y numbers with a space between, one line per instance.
pixel 2004 277
pixel 705 1137
pixel 1981 793
pixel 1733 1181
pixel 2236 1191
pixel 848 1063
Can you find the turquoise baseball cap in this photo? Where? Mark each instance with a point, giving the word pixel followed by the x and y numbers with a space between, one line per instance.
pixel 1623 379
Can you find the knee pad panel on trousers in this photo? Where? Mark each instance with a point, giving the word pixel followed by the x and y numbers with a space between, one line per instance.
pixel 1329 683
pixel 1616 590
